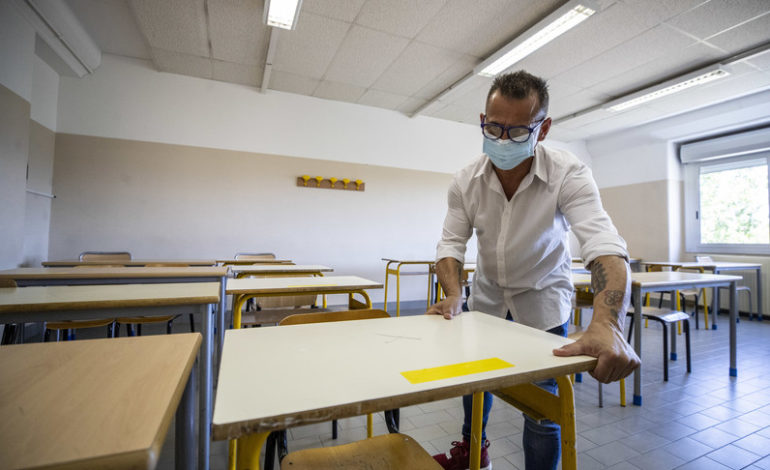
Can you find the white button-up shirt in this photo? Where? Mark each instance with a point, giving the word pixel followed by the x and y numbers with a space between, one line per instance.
pixel 524 260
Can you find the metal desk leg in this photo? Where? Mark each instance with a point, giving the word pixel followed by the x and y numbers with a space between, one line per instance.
pixel 221 321
pixel 672 350
pixel 759 293
pixel 637 293
pixel 733 327
pixel 205 391
pixel 476 424
pixel 184 445
pixel 715 305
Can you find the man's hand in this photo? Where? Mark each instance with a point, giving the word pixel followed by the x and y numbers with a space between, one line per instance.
pixel 617 359
pixel 449 307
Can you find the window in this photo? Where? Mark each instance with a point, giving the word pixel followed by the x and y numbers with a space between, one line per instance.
pixel 727 201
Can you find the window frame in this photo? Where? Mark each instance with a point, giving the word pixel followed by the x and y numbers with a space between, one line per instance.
pixel 692 226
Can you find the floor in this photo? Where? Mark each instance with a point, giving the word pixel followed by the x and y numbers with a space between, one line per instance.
pixel 700 421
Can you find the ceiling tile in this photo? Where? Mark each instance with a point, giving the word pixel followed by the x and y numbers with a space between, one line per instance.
pixel 345 10
pixel 558 88
pixel 415 68
pixel 400 17
pixel 183 64
pixel 629 55
pixel 716 16
pixel 173 25
pixel 481 28
pixel 583 120
pixel 291 83
pixel 460 114
pixel 112 26
pixel 382 99
pixel 237 32
pixel 459 69
pixel 745 36
pixel 339 91
pixel 309 49
pixel 243 74
pixel 364 55
pixel 577 102
pixel 411 104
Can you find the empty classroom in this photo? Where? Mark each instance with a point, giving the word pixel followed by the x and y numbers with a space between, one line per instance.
pixel 385 234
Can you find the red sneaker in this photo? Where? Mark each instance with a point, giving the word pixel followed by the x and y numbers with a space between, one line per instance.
pixel 460 455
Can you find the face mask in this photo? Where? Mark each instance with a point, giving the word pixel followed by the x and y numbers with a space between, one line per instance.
pixel 506 154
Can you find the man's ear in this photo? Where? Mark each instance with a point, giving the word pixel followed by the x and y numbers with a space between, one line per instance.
pixel 481 118
pixel 544 128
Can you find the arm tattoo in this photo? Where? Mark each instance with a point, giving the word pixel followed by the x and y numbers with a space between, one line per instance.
pixel 598 277
pixel 459 273
pixel 614 298
pixel 615 315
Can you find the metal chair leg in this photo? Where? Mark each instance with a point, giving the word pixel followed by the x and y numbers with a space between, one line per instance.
pixel 687 344
pixel 665 352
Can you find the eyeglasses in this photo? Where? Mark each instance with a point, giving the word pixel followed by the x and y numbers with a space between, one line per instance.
pixel 514 133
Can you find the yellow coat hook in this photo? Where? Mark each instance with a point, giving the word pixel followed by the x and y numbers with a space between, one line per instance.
pixel 358 184
pixel 305 178
pixel 345 181
pixel 333 181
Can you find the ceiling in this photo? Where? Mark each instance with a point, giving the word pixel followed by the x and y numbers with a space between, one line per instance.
pixel 402 54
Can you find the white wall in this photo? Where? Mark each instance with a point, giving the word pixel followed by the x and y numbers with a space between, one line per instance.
pixel 45 94
pixel 126 98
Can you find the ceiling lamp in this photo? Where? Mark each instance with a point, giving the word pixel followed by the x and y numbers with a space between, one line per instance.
pixel 282 13
pixel 676 85
pixel 554 25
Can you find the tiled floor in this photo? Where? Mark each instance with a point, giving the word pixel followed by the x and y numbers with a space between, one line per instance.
pixel 701 420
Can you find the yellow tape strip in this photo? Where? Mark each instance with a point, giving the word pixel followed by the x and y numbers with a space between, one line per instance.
pixel 314 285
pixel 455 370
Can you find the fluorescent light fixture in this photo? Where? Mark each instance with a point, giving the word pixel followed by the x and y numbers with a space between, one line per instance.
pixel 668 88
pixel 282 13
pixel 518 49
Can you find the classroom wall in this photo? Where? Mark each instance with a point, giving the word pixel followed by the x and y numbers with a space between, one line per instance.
pixel 163 200
pixel 28 100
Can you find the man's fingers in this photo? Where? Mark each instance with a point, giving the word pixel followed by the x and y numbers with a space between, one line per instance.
pixel 573 349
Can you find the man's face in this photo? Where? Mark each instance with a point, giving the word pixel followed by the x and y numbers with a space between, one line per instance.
pixel 514 112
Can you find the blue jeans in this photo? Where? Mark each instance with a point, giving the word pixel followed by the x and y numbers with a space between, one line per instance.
pixel 541 441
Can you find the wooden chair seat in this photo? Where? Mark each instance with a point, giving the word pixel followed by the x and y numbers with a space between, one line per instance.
pixel 274 315
pixel 75 324
pixel 384 452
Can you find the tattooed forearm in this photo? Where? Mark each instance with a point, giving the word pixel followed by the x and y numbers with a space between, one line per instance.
pixel 459 272
pixel 598 277
pixel 614 298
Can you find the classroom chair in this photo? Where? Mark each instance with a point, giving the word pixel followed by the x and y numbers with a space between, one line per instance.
pixel 740 288
pixel 277 440
pixel 388 451
pixel 137 322
pixel 665 318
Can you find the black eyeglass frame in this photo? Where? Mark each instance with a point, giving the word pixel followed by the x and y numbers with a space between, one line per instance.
pixel 506 131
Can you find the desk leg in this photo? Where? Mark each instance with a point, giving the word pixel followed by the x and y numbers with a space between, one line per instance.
pixel 733 327
pixel 567 423
pixel 759 293
pixel 476 424
pixel 221 322
pixel 205 391
pixel 249 448
pixel 715 305
pixel 184 445
pixel 637 293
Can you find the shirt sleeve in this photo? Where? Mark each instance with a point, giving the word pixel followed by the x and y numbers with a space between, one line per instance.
pixel 581 204
pixel 457 227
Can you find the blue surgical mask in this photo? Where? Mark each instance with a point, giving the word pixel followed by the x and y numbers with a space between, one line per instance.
pixel 506 154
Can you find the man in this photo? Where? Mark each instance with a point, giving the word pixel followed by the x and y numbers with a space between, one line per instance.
pixel 522 198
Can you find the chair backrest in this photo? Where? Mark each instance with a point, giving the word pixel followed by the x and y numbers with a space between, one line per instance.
pixel 255 256
pixel 704 259
pixel 324 317
pixel 105 256
pixel 7 283
pixel 654 268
